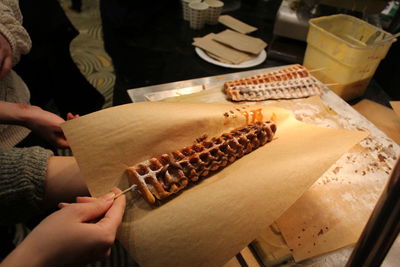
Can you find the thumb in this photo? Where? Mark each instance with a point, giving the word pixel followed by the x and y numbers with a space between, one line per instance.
pixel 61 143
pixel 59 139
pixel 92 210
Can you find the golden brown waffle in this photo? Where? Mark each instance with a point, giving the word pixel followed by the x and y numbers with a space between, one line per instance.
pixel 291 82
pixel 164 175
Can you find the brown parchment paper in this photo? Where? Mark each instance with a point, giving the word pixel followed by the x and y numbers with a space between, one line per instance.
pixel 396 107
pixel 209 223
pixel 332 213
pixel 381 116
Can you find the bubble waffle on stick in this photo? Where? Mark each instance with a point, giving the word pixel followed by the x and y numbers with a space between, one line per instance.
pixel 291 82
pixel 297 88
pixel 162 176
pixel 291 72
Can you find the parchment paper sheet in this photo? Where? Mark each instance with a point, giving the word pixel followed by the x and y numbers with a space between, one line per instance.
pixel 381 116
pixel 333 212
pixel 209 223
pixel 396 106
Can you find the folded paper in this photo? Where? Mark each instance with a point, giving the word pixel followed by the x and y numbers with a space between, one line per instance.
pixel 220 50
pixel 241 42
pixel 236 24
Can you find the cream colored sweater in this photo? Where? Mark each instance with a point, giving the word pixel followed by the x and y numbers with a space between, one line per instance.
pixel 22 170
pixel 12 88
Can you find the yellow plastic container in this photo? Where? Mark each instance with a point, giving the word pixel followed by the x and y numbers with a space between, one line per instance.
pixel 345 52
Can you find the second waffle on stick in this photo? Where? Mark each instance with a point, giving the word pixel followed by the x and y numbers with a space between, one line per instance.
pixel 286 83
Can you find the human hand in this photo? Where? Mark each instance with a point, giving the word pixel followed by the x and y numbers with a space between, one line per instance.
pixel 77 233
pixel 47 125
pixel 6 57
pixel 42 122
pixel 71 116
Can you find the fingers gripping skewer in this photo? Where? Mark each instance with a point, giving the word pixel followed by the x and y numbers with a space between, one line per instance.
pixel 131 188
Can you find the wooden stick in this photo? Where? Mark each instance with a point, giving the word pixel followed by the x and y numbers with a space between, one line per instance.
pixel 318 69
pixel 331 84
pixel 132 187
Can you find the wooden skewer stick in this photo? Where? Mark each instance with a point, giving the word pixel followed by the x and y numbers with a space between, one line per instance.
pixel 318 69
pixel 132 187
pixel 331 84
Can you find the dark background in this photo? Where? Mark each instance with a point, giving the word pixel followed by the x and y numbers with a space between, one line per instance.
pixel 150 44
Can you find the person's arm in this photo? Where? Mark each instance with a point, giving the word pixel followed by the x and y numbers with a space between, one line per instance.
pixel 22 182
pixel 32 180
pixel 11 28
pixel 6 57
pixel 42 122
pixel 64 182
pixel 78 233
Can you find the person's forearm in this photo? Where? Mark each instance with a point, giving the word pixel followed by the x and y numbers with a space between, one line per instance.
pixel 64 181
pixel 13 113
pixel 43 123
pixel 23 254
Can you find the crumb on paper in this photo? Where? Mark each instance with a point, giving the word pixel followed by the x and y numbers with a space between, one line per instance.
pixel 381 157
pixel 336 170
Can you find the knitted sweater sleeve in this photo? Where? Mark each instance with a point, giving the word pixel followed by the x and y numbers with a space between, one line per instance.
pixel 12 29
pixel 22 178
